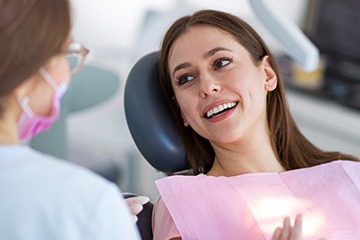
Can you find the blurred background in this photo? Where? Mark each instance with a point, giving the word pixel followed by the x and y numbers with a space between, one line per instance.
pixel 92 130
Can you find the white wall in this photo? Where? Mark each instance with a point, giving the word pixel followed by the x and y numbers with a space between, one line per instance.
pixel 110 27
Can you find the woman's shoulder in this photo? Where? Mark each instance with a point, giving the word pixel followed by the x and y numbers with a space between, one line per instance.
pixel 163 225
pixel 58 167
pixel 338 164
pixel 46 188
pixel 28 168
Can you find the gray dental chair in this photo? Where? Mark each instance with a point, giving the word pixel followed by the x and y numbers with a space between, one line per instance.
pixel 149 119
pixel 151 126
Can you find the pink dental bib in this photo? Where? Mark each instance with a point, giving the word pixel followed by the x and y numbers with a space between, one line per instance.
pixel 251 206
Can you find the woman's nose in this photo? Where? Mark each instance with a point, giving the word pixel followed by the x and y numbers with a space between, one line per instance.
pixel 208 85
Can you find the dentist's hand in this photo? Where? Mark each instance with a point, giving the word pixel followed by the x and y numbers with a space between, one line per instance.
pixel 136 205
pixel 288 232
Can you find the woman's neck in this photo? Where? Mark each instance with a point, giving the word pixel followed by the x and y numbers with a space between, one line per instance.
pixel 6 138
pixel 8 130
pixel 236 159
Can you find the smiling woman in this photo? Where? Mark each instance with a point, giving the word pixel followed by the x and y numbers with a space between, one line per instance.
pixel 224 91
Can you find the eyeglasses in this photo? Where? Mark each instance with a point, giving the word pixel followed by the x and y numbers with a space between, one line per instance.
pixel 75 55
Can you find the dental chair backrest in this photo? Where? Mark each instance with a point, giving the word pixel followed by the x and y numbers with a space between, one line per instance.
pixel 151 126
pixel 149 119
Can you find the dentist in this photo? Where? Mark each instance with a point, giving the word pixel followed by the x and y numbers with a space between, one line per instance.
pixel 43 197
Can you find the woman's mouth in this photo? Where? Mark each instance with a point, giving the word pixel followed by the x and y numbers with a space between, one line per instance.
pixel 219 110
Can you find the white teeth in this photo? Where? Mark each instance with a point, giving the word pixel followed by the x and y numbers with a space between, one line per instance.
pixel 219 108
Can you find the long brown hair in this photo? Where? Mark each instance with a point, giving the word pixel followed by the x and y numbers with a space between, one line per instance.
pixel 290 146
pixel 31 32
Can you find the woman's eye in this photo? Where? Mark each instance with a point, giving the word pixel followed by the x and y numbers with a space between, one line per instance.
pixel 184 79
pixel 221 63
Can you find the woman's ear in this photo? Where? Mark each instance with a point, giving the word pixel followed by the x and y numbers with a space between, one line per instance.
pixel 25 88
pixel 186 123
pixel 174 101
pixel 270 75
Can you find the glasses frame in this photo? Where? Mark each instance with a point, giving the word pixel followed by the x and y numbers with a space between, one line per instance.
pixel 78 50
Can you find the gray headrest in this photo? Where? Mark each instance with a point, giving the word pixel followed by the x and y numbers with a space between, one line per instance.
pixel 149 119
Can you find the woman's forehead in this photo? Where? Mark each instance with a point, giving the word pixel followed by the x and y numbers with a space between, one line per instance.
pixel 198 40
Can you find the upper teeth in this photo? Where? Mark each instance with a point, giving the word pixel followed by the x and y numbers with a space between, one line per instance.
pixel 220 108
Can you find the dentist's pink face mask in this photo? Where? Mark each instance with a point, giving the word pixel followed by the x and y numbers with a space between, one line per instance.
pixel 31 124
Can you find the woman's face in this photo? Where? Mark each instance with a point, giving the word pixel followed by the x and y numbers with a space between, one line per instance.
pixel 221 92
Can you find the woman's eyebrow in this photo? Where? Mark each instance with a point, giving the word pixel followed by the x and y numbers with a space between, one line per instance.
pixel 215 50
pixel 181 66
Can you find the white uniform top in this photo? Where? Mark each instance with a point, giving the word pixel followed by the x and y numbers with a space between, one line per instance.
pixel 44 198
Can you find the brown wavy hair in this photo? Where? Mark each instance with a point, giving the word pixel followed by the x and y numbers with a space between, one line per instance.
pixel 31 32
pixel 292 149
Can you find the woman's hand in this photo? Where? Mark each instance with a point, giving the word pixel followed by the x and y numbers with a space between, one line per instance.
pixel 288 232
pixel 136 205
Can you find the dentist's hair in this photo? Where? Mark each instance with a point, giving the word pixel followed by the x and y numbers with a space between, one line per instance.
pixel 31 32
pixel 290 146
